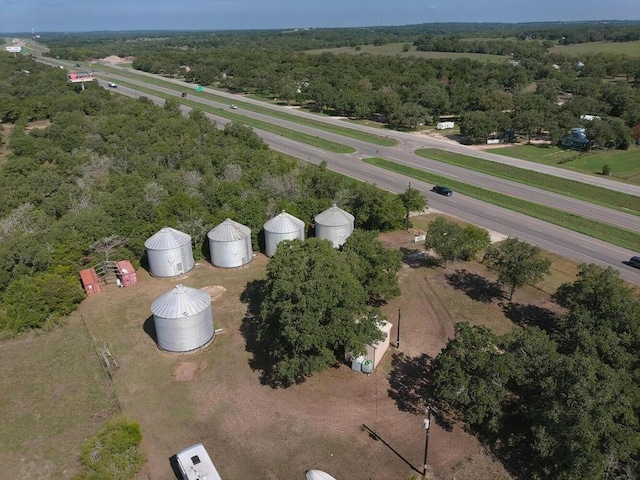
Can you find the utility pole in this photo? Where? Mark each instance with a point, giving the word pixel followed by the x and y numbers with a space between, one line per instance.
pixel 427 424
pixel 408 206
pixel 398 331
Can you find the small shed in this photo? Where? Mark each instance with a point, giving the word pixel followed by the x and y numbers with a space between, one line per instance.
pixel 126 273
pixel 90 281
pixel 376 351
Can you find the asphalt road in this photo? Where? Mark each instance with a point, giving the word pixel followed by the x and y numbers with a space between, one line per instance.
pixel 567 243
pixel 577 247
pixel 403 154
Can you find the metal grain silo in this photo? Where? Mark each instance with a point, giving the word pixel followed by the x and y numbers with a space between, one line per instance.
pixel 281 227
pixel 334 224
pixel 169 253
pixel 230 244
pixel 183 319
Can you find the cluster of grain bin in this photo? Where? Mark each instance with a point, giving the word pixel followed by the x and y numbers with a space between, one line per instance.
pixel 183 319
pixel 334 224
pixel 281 227
pixel 230 244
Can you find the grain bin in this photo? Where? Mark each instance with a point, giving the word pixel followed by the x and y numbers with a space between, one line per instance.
pixel 230 244
pixel 281 227
pixel 169 253
pixel 334 224
pixel 183 319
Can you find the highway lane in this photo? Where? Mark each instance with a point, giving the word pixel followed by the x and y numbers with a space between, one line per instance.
pixel 414 141
pixel 574 246
pixel 403 155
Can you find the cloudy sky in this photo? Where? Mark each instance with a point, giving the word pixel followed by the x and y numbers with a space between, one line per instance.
pixel 88 15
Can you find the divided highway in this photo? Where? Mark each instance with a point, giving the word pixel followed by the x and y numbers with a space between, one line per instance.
pixel 565 242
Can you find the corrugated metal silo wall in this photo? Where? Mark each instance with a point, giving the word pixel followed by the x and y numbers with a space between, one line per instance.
pixel 184 334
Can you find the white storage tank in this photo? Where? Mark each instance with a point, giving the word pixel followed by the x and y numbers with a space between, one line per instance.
pixel 281 227
pixel 169 253
pixel 183 319
pixel 230 244
pixel 334 224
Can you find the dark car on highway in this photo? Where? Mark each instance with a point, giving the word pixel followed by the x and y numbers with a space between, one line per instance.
pixel 634 262
pixel 443 190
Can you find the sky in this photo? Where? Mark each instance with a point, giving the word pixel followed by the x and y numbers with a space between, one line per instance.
pixel 92 15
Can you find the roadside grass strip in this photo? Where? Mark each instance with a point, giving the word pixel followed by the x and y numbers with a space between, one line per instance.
pixel 283 132
pixel 607 233
pixel 581 191
pixel 327 127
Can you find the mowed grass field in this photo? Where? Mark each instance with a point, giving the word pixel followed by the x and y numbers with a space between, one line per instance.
pixel 54 393
pixel 624 163
pixel 624 48
pixel 396 49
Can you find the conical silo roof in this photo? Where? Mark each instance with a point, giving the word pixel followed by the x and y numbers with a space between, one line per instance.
pixel 166 239
pixel 180 302
pixel 229 231
pixel 283 223
pixel 334 216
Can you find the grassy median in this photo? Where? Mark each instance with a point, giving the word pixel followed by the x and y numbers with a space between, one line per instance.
pixel 607 233
pixel 581 191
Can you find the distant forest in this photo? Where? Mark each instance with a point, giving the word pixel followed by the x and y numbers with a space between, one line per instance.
pixel 531 91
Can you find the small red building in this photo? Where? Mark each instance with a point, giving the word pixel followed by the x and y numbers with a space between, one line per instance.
pixel 126 273
pixel 90 281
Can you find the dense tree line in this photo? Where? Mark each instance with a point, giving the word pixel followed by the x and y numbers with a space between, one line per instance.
pixel 101 44
pixel 517 49
pixel 558 398
pixel 103 165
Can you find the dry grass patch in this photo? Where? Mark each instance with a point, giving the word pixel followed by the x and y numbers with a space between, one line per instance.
pixel 54 395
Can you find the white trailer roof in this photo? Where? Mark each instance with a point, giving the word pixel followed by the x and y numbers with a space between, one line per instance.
pixel 196 464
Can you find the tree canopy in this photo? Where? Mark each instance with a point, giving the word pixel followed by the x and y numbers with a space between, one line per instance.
pixel 561 403
pixel 313 310
pixel 517 263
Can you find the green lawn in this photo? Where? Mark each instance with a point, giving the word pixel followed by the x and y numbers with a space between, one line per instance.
pixel 624 163
pixel 608 233
pixel 625 48
pixel 327 127
pixel 396 49
pixel 582 191
pixel 223 112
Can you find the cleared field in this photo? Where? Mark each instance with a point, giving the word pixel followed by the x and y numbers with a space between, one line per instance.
pixel 588 193
pixel 608 233
pixel 396 49
pixel 624 48
pixel 624 163
pixel 54 396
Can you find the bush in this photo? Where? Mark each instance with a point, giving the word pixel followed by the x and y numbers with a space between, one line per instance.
pixel 113 454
